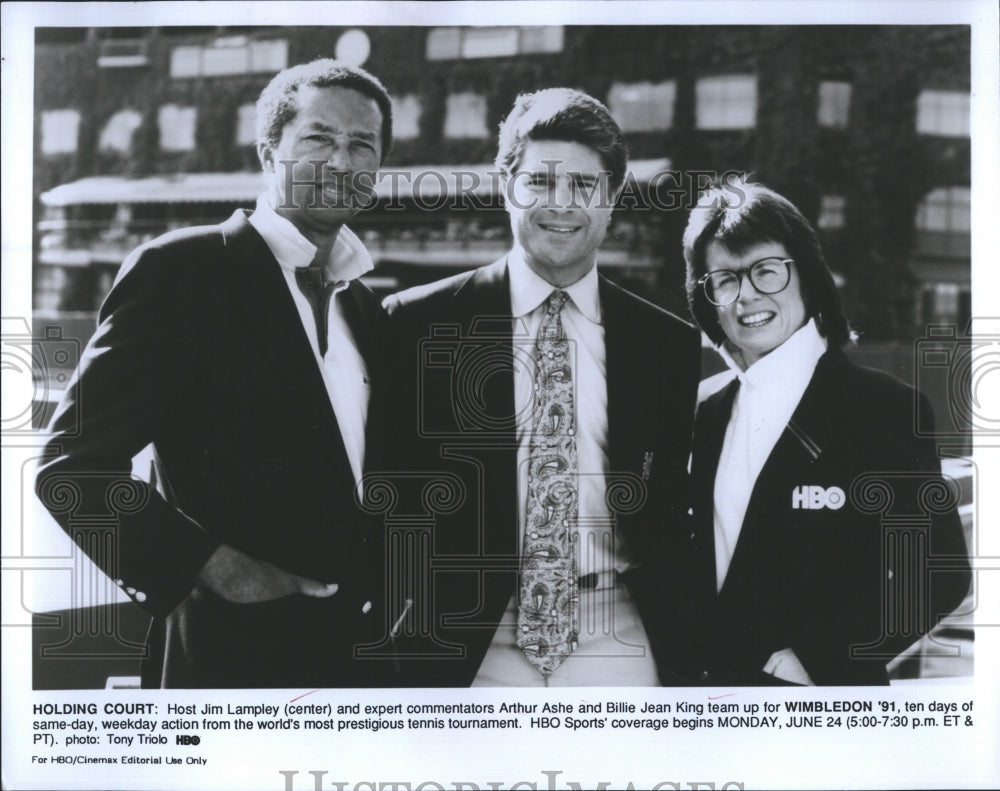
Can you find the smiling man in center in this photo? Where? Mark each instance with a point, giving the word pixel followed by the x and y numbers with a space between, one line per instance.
pixel 558 409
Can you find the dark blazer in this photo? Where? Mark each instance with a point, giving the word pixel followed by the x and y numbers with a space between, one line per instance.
pixel 453 349
pixel 201 352
pixel 849 587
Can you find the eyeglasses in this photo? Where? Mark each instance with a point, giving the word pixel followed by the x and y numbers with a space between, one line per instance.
pixel 768 276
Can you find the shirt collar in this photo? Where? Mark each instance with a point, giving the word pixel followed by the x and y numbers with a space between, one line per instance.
pixel 528 289
pixel 348 258
pixel 796 356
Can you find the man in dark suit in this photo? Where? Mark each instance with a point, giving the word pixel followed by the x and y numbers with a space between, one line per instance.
pixel 243 353
pixel 543 420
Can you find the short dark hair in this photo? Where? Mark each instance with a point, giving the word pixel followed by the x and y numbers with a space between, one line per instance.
pixel 739 214
pixel 277 105
pixel 563 114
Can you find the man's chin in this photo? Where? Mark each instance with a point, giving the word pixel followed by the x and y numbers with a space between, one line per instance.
pixel 313 223
pixel 561 271
pixel 328 215
pixel 328 220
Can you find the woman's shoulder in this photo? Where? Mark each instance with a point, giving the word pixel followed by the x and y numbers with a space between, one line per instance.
pixel 871 410
pixel 871 384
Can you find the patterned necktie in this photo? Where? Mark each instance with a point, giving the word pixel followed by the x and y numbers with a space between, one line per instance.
pixel 312 283
pixel 548 609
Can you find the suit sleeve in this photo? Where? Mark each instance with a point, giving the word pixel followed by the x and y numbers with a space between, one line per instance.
pixel 134 370
pixel 686 381
pixel 891 593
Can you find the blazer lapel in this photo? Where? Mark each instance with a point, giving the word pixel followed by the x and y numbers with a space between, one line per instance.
pixel 485 316
pixel 624 383
pixel 717 412
pixel 710 433
pixel 814 420
pixel 275 333
pixel 360 309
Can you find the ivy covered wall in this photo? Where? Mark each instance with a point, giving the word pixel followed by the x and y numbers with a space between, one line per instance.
pixel 879 162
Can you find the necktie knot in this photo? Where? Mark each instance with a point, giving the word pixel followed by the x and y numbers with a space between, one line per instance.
pixel 311 278
pixel 313 284
pixel 556 301
pixel 551 330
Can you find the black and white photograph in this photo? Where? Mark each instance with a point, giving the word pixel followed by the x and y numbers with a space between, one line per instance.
pixel 382 379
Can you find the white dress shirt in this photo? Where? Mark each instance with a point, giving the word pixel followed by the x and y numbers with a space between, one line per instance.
pixel 343 368
pixel 770 390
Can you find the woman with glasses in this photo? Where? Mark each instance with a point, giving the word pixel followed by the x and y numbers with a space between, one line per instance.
pixel 818 513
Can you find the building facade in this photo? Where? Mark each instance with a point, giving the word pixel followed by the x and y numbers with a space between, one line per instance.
pixel 866 128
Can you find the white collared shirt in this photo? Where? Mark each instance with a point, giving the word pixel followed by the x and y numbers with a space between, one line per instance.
pixel 343 368
pixel 770 390
pixel 600 549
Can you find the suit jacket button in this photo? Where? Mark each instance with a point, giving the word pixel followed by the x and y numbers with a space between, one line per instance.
pixel 366 607
pixel 130 591
pixel 140 597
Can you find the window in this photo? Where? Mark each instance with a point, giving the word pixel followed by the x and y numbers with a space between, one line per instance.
pixel 542 39
pixel 834 104
pixel 216 61
pixel 945 209
pixel 444 43
pixel 489 42
pixel 116 53
pixel 59 131
pixel 231 55
pixel 406 112
pixel 177 126
pixel 117 132
pixel 643 106
pixel 945 300
pixel 831 211
pixel 185 61
pixel 726 102
pixel 453 43
pixel 268 56
pixel 465 116
pixel 946 303
pixel 246 125
pixel 944 113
